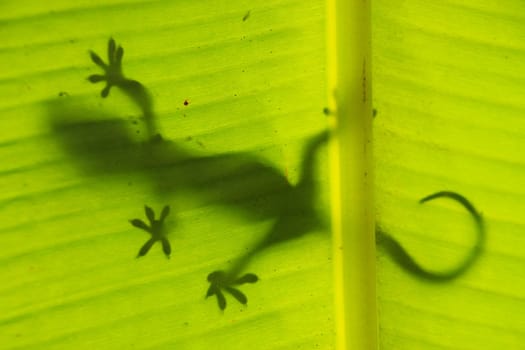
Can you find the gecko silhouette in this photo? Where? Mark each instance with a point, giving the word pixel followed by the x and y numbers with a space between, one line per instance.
pixel 103 144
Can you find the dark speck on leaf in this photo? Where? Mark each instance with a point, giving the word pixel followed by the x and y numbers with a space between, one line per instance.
pixel 326 111
pixel 186 102
pixel 63 93
pixel 374 112
pixel 246 16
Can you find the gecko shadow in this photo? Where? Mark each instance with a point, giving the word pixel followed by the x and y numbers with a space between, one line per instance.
pixel 103 144
pixel 389 245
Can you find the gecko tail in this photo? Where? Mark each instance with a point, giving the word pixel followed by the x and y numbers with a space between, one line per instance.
pixel 400 255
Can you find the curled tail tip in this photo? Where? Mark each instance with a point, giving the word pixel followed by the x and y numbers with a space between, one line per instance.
pixel 458 198
pixel 439 194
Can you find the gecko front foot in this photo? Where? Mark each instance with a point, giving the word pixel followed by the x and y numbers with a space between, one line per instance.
pixel 155 229
pixel 112 70
pixel 220 280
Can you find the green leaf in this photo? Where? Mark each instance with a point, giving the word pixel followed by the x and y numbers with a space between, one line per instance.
pixel 217 112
